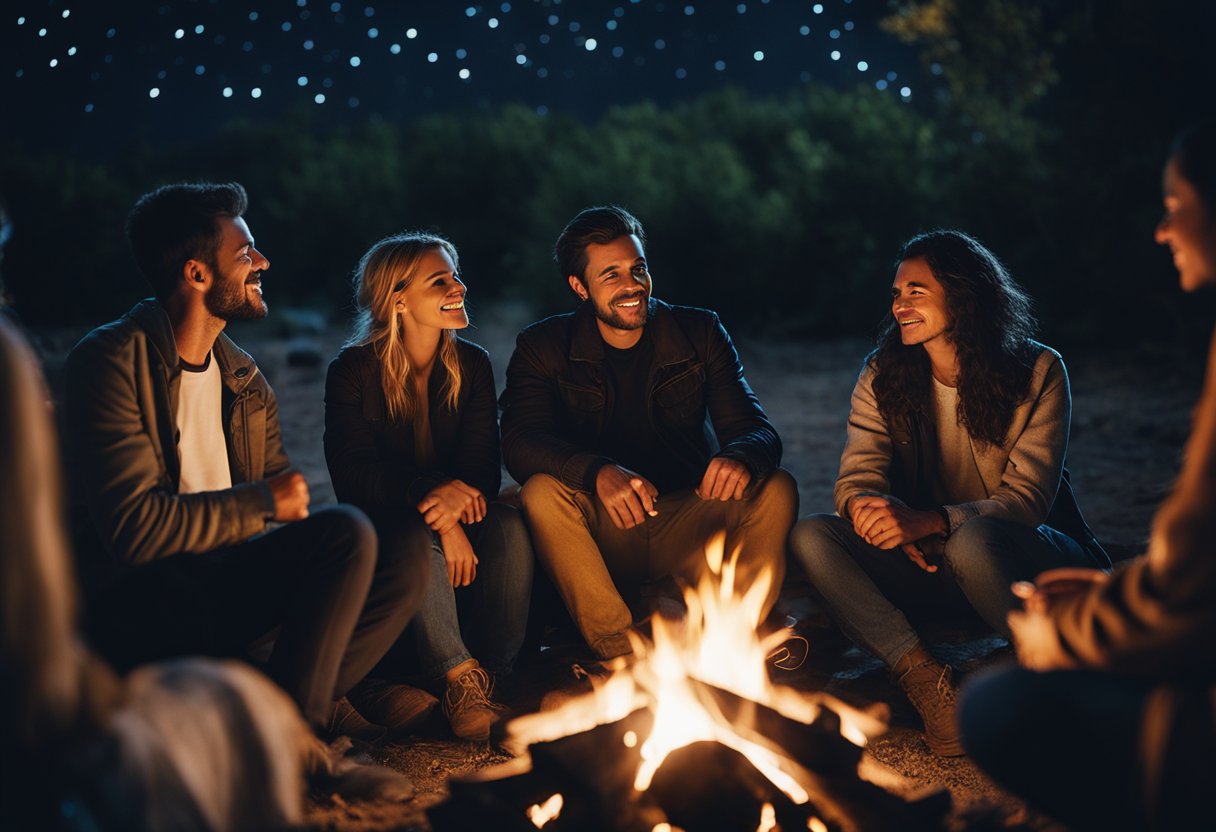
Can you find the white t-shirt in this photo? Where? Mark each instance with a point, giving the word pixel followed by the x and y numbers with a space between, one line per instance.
pixel 201 446
pixel 958 475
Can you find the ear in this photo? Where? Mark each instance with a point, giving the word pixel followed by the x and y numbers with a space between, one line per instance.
pixel 196 275
pixel 578 287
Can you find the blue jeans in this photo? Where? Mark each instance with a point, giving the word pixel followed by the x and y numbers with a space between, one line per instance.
pixel 492 612
pixel 1066 741
pixel 867 589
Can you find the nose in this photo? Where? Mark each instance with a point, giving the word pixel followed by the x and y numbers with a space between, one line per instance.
pixel 1162 232
pixel 259 260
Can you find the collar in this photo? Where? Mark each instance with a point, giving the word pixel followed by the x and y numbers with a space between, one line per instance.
pixel 237 367
pixel 671 345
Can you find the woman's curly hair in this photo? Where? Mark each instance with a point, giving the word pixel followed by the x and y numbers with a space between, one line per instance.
pixel 991 325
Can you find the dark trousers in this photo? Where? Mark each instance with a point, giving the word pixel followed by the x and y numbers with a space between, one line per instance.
pixel 336 604
pixel 1066 741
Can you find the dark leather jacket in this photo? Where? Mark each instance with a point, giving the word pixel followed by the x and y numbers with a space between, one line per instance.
pixel 121 388
pixel 372 462
pixel 556 400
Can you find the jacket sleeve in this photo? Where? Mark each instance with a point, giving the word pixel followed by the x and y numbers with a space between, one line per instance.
pixel 359 471
pixel 1157 616
pixel 740 424
pixel 276 455
pixel 1036 457
pixel 478 459
pixel 532 438
pixel 865 463
pixel 111 418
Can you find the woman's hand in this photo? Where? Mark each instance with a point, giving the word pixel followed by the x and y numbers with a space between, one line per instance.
pixel 462 563
pixel 1034 632
pixel 451 503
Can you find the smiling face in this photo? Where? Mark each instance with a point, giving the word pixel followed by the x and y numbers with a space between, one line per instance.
pixel 918 303
pixel 434 299
pixel 235 292
pixel 617 283
pixel 1189 229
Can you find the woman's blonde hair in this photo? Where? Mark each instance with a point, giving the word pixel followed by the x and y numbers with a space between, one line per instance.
pixel 384 272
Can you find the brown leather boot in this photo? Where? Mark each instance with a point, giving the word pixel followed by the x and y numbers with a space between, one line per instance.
pixel 468 706
pixel 399 708
pixel 928 685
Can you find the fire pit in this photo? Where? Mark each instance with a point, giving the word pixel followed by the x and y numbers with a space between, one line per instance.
pixel 691 734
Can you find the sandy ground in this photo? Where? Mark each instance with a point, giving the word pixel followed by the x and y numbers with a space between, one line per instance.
pixel 1130 419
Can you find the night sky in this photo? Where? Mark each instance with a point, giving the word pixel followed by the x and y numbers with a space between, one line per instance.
pixel 90 75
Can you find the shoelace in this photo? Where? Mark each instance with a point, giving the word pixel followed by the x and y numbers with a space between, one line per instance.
pixel 475 688
pixel 784 658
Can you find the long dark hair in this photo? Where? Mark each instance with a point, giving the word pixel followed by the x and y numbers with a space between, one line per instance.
pixel 991 325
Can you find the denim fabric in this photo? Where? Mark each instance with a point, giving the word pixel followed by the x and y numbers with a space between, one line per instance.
pixel 868 590
pixel 492 612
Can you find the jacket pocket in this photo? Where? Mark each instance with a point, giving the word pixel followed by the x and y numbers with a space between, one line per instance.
pixel 584 404
pixel 681 398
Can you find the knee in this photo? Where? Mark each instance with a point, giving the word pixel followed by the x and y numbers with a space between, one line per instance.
pixel 777 496
pixel 540 492
pixel 353 532
pixel 813 540
pixel 978 540
pixel 511 530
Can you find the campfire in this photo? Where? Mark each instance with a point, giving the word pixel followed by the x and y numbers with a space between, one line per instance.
pixel 691 734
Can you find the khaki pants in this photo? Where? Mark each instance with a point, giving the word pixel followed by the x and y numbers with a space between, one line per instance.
pixel 588 556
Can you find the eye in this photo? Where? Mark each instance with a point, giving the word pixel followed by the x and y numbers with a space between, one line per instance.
pixel 639 270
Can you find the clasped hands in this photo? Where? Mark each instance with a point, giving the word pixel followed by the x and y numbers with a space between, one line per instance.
pixel 887 523
pixel 443 509
pixel 630 497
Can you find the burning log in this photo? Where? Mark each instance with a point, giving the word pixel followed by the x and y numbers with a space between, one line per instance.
pixel 683 736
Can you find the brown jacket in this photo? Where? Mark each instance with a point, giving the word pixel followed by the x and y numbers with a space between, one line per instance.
pixel 1156 619
pixel 121 387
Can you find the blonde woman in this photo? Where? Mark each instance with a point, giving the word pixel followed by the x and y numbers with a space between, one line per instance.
pixel 411 437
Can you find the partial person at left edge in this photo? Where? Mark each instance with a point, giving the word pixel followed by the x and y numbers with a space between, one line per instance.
pixel 175 452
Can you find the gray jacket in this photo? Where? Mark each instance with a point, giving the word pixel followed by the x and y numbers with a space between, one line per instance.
pixel 121 388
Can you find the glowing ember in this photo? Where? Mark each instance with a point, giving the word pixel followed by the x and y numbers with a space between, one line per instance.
pixel 716 644
pixel 542 813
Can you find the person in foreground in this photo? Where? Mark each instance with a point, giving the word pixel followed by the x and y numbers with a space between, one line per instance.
pixel 185 744
pixel 952 481
pixel 411 437
pixel 174 442
pixel 1109 723
pixel 636 438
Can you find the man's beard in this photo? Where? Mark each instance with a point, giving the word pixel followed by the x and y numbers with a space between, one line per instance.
pixel 230 301
pixel 612 318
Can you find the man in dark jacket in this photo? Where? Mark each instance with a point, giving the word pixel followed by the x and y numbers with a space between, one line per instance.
pixel 637 438
pixel 175 451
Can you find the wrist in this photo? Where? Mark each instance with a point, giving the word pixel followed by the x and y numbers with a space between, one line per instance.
pixel 945 521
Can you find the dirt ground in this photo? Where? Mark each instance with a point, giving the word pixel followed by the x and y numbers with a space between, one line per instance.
pixel 1130 418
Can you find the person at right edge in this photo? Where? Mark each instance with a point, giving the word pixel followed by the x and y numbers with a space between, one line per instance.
pixel 1108 723
pixel 952 482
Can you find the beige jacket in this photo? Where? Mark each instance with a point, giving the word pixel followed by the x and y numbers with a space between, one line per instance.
pixel 1021 476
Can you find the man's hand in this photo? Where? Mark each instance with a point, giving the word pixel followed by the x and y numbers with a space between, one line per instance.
pixel 1034 632
pixel 884 521
pixel 462 563
pixel 290 492
pixel 725 479
pixel 450 503
pixel 629 497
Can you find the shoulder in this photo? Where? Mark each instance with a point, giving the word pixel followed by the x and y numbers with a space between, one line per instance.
pixel 1048 362
pixel 687 315
pixel 554 326
pixel 354 362
pixel 471 354
pixel 116 339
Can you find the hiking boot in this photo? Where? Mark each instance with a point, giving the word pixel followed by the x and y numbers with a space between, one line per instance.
pixel 467 704
pixel 931 691
pixel 399 708
pixel 345 721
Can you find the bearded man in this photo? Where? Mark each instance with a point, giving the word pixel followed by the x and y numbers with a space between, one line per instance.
pixel 193 533
pixel 636 438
